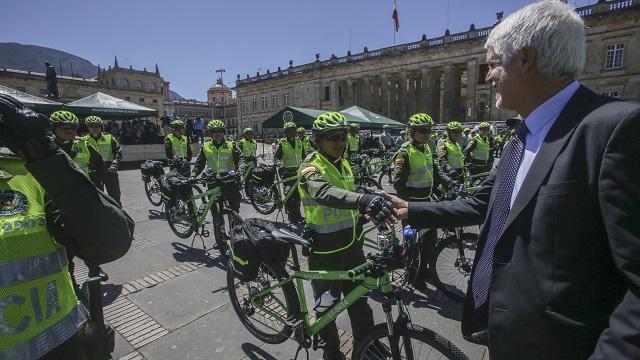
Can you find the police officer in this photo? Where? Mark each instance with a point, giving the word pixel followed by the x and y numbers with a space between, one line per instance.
pixel 478 152
pixel 220 157
pixel 307 143
pixel 354 141
pixel 64 125
pixel 248 146
pixel 176 147
pixel 414 177
pixel 47 204
pixel 450 157
pixel 332 209
pixel 288 156
pixel 110 152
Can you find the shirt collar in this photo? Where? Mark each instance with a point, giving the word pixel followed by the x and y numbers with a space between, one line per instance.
pixel 549 110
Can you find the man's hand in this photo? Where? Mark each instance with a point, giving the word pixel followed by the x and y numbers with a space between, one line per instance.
pixel 401 207
pixel 24 131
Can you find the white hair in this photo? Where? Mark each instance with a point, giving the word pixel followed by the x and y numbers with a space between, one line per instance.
pixel 553 28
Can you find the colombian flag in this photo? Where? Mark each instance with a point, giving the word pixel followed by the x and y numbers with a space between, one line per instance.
pixel 394 16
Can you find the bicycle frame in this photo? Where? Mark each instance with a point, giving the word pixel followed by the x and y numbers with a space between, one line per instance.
pixel 213 196
pixel 279 185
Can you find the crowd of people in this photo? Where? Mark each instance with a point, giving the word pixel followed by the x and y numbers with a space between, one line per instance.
pixel 556 272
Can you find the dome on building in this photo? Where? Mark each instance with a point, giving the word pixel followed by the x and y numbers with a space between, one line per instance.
pixel 219 86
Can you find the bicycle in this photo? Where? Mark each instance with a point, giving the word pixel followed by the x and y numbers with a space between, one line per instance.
pixel 267 195
pixel 363 176
pixel 246 168
pixel 279 297
pixel 186 213
pixel 152 173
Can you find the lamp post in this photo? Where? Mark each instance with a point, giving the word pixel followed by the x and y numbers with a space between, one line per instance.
pixel 221 71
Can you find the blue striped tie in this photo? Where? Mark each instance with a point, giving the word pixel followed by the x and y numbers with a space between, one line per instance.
pixel 499 212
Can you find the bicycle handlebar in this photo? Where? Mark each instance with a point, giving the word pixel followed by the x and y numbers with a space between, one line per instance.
pixel 360 269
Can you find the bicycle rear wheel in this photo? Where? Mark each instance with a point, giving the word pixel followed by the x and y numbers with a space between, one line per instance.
pixel 282 302
pixel 152 190
pixel 413 341
pixel 451 265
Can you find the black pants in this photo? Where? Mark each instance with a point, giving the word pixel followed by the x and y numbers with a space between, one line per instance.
pixel 293 204
pixel 360 314
pixel 112 184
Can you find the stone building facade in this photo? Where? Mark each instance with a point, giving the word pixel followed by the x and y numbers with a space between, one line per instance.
pixel 138 86
pixel 443 76
pixel 206 110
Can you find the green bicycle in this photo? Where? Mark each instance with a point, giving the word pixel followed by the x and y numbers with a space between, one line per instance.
pixel 186 212
pixel 267 188
pixel 273 307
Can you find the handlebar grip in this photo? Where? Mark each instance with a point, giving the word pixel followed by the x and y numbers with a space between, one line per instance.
pixel 361 269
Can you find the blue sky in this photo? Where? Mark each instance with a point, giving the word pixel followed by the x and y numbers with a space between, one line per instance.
pixel 189 39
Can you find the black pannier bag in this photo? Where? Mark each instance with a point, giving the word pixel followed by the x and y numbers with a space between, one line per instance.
pixel 263 174
pixel 270 250
pixel 244 255
pixel 151 168
pixel 175 186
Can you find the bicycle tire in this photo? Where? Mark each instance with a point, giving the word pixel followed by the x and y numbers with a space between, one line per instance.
pixel 232 219
pixel 389 175
pixel 152 190
pixel 258 193
pixel 176 208
pixel 245 310
pixel 449 272
pixel 418 334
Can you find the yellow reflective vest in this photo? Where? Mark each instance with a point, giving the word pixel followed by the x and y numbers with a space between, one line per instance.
pixel 178 145
pixel 219 159
pixel 455 157
pixel 420 168
pixel 102 144
pixel 291 157
pixel 249 148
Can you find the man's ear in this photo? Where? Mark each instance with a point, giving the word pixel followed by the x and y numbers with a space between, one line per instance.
pixel 528 59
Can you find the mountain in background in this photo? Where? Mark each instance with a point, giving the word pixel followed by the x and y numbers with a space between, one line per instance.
pixel 32 58
pixel 174 96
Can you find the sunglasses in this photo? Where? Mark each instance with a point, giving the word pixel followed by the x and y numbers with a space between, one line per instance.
pixel 423 130
pixel 67 128
pixel 336 137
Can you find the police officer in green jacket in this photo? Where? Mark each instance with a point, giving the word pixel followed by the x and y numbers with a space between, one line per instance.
pixel 450 157
pixel 478 153
pixel 177 148
pixel 288 157
pixel 111 153
pixel 47 204
pixel 307 143
pixel 332 209
pixel 220 157
pixel 354 141
pixel 64 125
pixel 248 146
pixel 414 177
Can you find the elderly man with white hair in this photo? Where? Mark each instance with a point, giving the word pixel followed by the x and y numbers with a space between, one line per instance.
pixel 557 267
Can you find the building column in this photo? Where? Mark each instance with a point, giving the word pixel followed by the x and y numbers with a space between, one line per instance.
pixel 403 98
pixel 451 101
pixel 434 89
pixel 333 92
pixel 349 95
pixel 472 81
pixel 366 93
pixel 385 95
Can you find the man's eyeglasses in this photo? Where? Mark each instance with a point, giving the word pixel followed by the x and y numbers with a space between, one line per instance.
pixel 423 130
pixel 67 128
pixel 336 137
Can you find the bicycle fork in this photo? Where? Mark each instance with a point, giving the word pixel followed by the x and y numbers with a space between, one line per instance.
pixel 393 336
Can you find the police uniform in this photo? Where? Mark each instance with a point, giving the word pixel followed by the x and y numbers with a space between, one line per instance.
pixel 414 177
pixel 111 154
pixel 330 203
pixel 248 148
pixel 450 162
pixel 290 154
pixel 40 312
pixel 178 147
pixel 308 145
pixel 354 144
pixel 479 155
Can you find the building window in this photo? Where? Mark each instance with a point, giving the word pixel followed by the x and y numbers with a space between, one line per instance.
pixel 113 82
pixel 615 54
pixel 128 98
pixel 44 92
pixel 483 70
pixel 139 84
pixel 327 93
pixel 244 105
pixel 254 104
pixel 155 101
pixel 274 101
pixel 21 88
pixel 286 99
pixel 264 102
pixel 610 93
pixel 141 99
pixel 153 86
pixel 124 82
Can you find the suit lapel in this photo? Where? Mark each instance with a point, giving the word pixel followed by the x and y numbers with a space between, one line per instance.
pixel 553 143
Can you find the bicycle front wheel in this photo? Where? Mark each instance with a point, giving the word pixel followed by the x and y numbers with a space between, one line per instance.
pixel 152 190
pixel 223 225
pixel 262 198
pixel 413 342
pixel 181 217
pixel 266 316
pixel 451 265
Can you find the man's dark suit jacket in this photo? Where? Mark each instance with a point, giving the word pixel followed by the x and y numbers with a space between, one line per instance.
pixel 566 273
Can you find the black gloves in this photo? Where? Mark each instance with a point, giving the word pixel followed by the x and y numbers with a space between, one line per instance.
pixel 375 206
pixel 24 131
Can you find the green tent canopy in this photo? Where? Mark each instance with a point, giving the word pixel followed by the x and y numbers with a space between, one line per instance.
pixel 35 103
pixel 304 117
pixel 373 120
pixel 109 107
